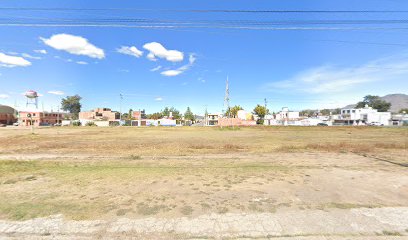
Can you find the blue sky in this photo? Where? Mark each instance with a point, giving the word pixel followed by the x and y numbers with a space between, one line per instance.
pixel 310 65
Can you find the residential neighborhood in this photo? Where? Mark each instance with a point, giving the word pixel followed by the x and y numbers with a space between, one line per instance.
pixel 104 117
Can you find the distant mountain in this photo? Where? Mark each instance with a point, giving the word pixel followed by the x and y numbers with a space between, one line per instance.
pixel 398 101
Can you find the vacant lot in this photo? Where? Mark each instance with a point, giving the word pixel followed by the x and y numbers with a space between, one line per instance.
pixel 109 174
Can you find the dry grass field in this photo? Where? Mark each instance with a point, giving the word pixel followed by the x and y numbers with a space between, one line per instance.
pixel 89 173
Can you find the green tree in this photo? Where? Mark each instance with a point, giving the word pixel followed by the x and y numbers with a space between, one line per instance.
pixel 375 102
pixel 130 114
pixel 336 111
pixel 233 112
pixel 166 112
pixel 155 116
pixel 72 104
pixel 325 112
pixel 261 112
pixel 403 110
pixel 189 115
pixel 307 112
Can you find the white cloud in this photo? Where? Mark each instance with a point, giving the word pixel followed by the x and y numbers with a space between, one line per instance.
pixel 13 61
pixel 74 44
pixel 56 92
pixel 4 96
pixel 159 51
pixel 171 73
pixel 26 55
pixel 158 99
pixel 156 69
pixel 331 79
pixel 180 70
pixel 82 62
pixel 151 57
pixel 42 51
pixel 132 51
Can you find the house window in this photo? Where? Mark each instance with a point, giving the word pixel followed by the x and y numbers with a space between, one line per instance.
pixel 353 111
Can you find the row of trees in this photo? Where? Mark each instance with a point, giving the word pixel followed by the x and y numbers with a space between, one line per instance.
pixel 188 114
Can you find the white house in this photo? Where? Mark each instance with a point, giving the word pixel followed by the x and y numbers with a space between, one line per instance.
pixel 286 114
pixel 161 122
pixel 363 116
pixel 282 117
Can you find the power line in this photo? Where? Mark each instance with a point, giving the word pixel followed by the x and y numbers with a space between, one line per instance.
pixel 295 28
pixel 201 22
pixel 368 43
pixel 199 10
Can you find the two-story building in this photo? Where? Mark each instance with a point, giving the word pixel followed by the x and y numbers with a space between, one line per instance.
pixel 212 119
pixel 39 118
pixel 282 117
pixel 99 114
pixel 363 116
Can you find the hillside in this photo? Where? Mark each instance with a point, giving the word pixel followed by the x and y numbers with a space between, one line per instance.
pixel 397 100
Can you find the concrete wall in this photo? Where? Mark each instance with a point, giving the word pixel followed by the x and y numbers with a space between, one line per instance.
pixel 225 122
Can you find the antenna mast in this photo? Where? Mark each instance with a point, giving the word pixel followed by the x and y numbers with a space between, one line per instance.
pixel 226 98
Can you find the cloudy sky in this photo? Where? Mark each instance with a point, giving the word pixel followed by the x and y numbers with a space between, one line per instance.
pixel 178 53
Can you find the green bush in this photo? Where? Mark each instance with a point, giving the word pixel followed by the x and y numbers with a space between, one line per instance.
pixel 90 124
pixel 113 124
pixel 76 123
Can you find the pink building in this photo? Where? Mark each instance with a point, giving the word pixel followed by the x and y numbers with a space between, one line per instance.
pixel 225 122
pixel 105 114
pixel 39 118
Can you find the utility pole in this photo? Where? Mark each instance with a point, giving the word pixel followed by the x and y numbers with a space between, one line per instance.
pixel 227 101
pixel 227 98
pixel 266 103
pixel 120 108
pixel 58 108
pixel 205 116
pixel 140 118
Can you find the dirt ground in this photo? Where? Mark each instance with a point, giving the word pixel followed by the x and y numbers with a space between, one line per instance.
pixel 310 182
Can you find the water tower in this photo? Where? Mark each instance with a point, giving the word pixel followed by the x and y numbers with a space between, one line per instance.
pixel 32 98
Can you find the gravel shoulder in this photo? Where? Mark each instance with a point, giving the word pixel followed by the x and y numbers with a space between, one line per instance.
pixel 361 223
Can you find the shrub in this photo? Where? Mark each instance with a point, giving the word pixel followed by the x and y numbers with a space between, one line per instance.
pixel 76 123
pixel 90 124
pixel 114 124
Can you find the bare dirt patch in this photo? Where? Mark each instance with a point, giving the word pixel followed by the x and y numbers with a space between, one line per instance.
pixel 109 174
